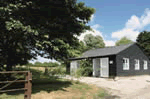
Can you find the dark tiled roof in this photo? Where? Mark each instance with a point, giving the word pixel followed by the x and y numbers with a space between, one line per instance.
pixel 104 51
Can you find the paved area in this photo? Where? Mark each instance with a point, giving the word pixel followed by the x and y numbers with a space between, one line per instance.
pixel 137 87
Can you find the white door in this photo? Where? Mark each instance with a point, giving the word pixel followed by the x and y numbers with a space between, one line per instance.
pixel 104 70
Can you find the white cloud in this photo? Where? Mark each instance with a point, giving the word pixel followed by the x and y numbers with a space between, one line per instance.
pixel 133 26
pixel 133 23
pixel 94 32
pixel 130 33
pixel 145 19
pixel 41 59
pixel 109 43
pixel 96 26
pixel 92 18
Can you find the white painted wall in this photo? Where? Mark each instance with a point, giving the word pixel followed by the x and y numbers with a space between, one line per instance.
pixel 74 65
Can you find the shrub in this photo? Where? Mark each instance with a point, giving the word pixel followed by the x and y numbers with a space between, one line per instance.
pixel 86 68
pixel 87 71
pixel 57 71
pixel 78 73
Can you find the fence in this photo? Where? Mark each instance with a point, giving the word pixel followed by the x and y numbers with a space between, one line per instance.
pixel 27 86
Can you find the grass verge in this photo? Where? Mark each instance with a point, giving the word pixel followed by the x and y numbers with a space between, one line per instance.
pixel 49 87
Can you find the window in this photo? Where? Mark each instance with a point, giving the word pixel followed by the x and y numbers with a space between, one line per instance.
pixel 137 64
pixel 145 65
pixel 125 64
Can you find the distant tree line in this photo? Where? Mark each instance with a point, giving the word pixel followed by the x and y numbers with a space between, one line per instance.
pixel 45 64
pixel 123 40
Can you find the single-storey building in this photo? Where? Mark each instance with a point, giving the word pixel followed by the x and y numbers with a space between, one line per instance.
pixel 123 60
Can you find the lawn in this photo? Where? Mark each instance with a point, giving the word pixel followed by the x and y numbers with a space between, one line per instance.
pixel 49 87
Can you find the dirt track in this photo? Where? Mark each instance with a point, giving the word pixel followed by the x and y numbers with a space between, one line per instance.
pixel 137 87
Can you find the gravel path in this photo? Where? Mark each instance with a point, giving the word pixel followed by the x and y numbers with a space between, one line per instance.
pixel 137 87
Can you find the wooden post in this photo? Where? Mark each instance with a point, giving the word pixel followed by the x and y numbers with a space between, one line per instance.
pixel 28 86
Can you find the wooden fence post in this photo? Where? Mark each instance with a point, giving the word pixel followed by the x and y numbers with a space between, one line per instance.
pixel 28 86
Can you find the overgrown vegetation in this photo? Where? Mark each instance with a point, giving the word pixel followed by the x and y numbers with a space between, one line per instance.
pixel 85 68
pixel 57 71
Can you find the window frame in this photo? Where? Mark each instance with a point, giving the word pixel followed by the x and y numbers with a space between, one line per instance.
pixel 144 65
pixel 127 64
pixel 137 65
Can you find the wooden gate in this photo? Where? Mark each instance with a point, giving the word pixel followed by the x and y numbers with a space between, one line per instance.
pixel 27 83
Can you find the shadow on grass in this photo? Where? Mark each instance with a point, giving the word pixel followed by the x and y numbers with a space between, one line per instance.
pixel 41 82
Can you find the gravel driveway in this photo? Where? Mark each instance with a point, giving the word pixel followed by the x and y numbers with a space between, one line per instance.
pixel 137 87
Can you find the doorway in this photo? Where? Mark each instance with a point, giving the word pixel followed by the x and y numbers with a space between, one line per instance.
pixel 104 67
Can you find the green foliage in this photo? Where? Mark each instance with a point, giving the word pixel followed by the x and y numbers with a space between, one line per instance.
pixel 38 63
pixel 143 40
pixel 93 42
pixel 84 71
pixel 29 64
pixel 123 41
pixel 75 53
pixel 90 42
pixel 45 64
pixel 32 27
pixel 86 63
pixel 57 71
pixel 100 94
pixel 78 73
pixel 86 68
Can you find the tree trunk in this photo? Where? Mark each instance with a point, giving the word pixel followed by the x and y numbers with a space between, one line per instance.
pixel 9 67
pixel 67 63
pixel 46 71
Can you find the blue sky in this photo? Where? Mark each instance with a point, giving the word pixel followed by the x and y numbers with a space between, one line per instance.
pixel 117 18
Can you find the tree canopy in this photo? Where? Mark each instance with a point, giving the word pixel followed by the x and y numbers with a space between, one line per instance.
pixel 123 40
pixel 143 40
pixel 89 42
pixel 35 27
pixel 93 42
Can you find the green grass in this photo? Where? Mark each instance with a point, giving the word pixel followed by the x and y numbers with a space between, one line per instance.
pixel 80 86
pixel 44 83
pixel 100 94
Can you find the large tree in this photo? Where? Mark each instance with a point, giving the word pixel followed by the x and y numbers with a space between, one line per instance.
pixel 89 42
pixel 123 40
pixel 35 27
pixel 143 40
pixel 93 42
pixel 75 52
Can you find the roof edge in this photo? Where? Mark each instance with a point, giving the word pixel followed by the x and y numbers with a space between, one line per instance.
pixel 80 58
pixel 127 47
